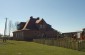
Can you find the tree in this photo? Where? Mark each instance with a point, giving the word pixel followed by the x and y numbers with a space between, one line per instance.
pixel 16 25
pixel 10 27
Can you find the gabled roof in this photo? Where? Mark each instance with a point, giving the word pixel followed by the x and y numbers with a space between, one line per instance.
pixel 26 24
pixel 30 24
pixel 22 22
pixel 20 25
pixel 40 21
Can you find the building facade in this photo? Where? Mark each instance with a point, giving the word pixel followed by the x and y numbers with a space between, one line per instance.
pixel 34 28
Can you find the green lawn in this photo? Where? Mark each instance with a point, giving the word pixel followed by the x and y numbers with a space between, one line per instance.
pixel 31 48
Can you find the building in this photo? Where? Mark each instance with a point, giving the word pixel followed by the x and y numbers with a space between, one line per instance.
pixel 75 35
pixel 34 28
pixel 83 34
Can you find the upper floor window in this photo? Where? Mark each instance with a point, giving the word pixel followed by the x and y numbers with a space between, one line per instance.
pixel 42 26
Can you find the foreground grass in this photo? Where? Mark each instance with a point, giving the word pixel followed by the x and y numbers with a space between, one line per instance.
pixel 31 48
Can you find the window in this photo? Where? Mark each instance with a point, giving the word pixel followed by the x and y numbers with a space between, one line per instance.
pixel 42 26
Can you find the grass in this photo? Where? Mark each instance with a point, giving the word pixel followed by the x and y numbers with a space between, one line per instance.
pixel 31 48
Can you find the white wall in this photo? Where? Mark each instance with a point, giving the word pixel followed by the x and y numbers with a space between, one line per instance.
pixel 78 35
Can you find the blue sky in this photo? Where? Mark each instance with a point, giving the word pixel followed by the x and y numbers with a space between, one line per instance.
pixel 63 15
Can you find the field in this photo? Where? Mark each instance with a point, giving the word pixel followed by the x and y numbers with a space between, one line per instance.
pixel 31 48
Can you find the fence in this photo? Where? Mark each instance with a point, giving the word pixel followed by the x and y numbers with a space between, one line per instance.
pixel 63 42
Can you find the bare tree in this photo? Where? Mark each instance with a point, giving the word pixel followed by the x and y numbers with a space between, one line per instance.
pixel 14 26
pixel 10 27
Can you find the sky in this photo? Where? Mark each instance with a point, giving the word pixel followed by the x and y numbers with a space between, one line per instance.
pixel 63 15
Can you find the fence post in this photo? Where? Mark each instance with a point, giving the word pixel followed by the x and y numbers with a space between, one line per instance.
pixel 79 45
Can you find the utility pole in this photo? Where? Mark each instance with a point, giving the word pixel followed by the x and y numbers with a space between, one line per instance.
pixel 5 29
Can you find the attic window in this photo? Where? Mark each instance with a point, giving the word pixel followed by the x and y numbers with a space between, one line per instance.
pixel 42 26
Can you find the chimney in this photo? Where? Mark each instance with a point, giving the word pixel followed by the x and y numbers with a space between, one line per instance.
pixel 38 18
pixel 31 17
